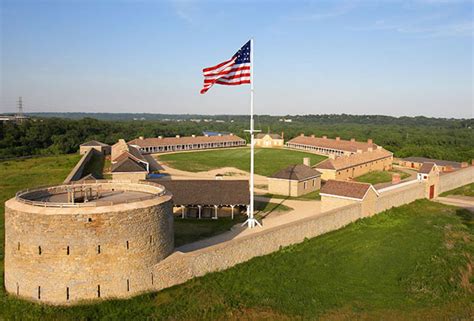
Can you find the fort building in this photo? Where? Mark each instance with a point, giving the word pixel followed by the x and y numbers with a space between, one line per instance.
pixel 178 143
pixel 86 240
pixel 128 163
pixel 335 194
pixel 93 144
pixel 357 164
pixel 429 173
pixel 295 180
pixel 328 146
pixel 208 198
pixel 268 140
pixel 443 165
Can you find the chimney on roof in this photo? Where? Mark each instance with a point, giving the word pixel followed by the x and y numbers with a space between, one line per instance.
pixel 370 149
pixel 338 138
pixel 353 139
pixel 325 137
pixel 307 161
pixel 312 136
pixel 121 140
pixel 207 135
pixel 369 141
pixel 359 151
pixel 141 137
pixel 448 168
pixel 302 134
pixel 177 136
pixel 464 165
pixel 219 134
pixel 193 136
pixel 379 147
pixel 231 134
pixel 160 137
pixel 396 178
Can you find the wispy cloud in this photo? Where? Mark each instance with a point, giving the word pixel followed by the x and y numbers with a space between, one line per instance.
pixel 185 10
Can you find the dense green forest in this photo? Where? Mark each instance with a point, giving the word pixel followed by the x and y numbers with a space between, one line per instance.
pixel 450 139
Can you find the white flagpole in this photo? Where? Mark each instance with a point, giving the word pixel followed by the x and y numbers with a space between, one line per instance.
pixel 251 221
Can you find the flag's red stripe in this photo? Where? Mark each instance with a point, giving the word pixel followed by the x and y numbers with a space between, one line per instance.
pixel 217 66
pixel 233 83
pixel 227 71
pixel 227 78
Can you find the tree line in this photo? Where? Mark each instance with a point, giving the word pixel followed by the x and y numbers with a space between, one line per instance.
pixel 448 139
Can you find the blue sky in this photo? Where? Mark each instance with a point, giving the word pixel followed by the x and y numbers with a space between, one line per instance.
pixel 358 57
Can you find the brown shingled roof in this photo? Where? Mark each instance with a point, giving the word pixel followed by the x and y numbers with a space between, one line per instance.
pixel 273 136
pixel 207 192
pixel 152 142
pixel 357 159
pixel 426 168
pixel 128 164
pixel 345 189
pixel 297 172
pixel 343 145
pixel 430 160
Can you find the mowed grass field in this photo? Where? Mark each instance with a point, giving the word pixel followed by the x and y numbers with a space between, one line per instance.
pixel 377 177
pixel 414 262
pixel 466 190
pixel 267 161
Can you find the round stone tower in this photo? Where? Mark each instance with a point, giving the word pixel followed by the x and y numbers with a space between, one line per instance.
pixel 86 241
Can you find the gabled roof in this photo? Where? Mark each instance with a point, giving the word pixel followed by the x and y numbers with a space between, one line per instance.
pixel 426 168
pixel 207 192
pixel 128 164
pixel 165 141
pixel 430 160
pixel 273 136
pixel 343 145
pixel 346 189
pixel 357 159
pixel 297 172
pixel 94 143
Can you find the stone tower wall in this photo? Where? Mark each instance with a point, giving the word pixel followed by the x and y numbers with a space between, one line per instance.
pixel 64 255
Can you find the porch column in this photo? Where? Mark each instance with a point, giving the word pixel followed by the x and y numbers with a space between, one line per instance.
pixel 215 212
pixel 232 207
pixel 182 211
pixel 199 213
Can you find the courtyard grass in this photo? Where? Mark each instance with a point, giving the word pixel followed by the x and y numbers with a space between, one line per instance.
pixel 377 177
pixel 466 190
pixel 267 160
pixel 408 263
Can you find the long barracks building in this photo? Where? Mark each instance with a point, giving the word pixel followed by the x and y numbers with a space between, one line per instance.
pixel 172 144
pixel 328 146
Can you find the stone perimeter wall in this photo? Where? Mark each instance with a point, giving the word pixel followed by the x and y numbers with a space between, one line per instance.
pixel 78 170
pixel 181 267
pixel 64 255
pixel 449 181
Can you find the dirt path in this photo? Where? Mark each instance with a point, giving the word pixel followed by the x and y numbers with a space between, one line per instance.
pixel 457 200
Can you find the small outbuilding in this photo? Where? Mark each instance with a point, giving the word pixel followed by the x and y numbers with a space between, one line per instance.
pixel 295 180
pixel 93 144
pixel 335 194
pixel 127 168
pixel 208 198
pixel 429 173
pixel 268 140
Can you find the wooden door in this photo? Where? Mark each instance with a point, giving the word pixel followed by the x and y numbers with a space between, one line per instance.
pixel 432 187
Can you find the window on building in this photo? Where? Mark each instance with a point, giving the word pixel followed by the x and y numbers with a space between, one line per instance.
pixel 304 185
pixel 39 292
pixel 67 250
pixel 67 294
pixel 98 249
pixel 39 250
pixel 128 246
pixel 98 291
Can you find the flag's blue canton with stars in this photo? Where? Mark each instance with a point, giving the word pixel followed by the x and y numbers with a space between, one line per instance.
pixel 235 71
pixel 243 55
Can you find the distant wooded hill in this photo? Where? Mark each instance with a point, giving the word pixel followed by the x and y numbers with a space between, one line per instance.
pixel 450 139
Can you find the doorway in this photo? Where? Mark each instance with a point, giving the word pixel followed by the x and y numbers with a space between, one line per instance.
pixel 432 189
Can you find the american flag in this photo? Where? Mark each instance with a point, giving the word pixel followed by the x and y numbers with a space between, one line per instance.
pixel 235 71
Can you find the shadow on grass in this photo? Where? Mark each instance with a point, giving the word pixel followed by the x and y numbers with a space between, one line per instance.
pixel 467 217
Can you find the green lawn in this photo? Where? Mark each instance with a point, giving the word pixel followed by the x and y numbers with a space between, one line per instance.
pixel 377 177
pixel 267 161
pixel 466 190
